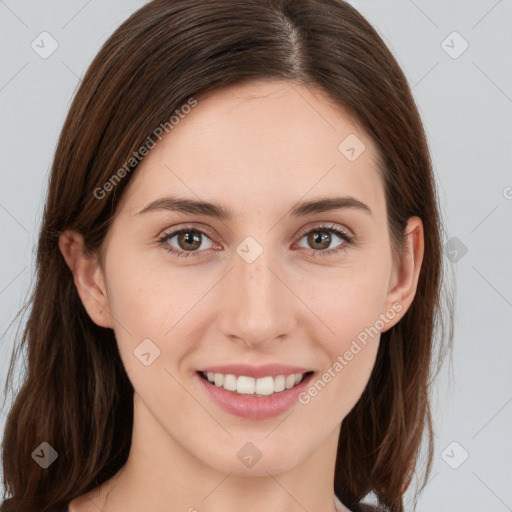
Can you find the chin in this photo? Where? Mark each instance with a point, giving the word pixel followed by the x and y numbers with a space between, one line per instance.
pixel 256 458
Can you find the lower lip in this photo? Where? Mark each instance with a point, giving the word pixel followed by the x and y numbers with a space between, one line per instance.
pixel 254 407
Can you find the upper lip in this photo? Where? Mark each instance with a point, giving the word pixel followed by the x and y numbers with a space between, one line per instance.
pixel 271 370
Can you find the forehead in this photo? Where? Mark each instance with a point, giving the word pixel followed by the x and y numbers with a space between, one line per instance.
pixel 260 145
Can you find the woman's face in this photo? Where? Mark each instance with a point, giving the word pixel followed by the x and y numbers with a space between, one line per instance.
pixel 272 281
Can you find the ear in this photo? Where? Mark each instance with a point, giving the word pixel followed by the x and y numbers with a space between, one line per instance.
pixel 88 277
pixel 405 275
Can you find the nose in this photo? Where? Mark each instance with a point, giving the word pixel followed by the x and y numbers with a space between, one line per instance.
pixel 257 306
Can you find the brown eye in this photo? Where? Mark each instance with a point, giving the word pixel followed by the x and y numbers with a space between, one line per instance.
pixel 189 240
pixel 319 239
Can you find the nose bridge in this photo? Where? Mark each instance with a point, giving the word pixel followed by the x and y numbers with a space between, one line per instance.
pixel 258 307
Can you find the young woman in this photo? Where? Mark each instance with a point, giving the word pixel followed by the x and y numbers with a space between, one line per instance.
pixel 239 272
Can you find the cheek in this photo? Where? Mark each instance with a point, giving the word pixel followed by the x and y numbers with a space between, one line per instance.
pixel 147 295
pixel 352 311
pixel 351 307
pixel 350 300
pixel 160 303
pixel 341 384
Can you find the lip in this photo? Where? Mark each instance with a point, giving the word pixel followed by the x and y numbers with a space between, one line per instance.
pixel 267 370
pixel 254 407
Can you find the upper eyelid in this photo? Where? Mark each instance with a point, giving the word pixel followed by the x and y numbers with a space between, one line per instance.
pixel 171 231
pixel 328 226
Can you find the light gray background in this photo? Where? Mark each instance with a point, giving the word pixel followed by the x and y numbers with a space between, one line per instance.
pixel 466 105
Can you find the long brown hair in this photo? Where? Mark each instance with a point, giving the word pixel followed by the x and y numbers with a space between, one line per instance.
pixel 76 395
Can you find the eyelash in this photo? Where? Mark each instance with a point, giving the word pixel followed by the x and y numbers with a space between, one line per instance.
pixel 344 235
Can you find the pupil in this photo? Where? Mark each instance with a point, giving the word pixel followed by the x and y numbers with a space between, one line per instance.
pixel 323 236
pixel 191 239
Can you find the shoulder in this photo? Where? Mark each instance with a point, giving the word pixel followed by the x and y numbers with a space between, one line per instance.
pixel 360 507
pixel 366 507
pixel 6 506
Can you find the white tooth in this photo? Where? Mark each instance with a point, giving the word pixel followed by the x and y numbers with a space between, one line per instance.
pixel 245 385
pixel 279 383
pixel 290 381
pixel 219 379
pixel 230 382
pixel 265 386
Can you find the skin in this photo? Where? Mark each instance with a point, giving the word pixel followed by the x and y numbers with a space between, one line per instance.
pixel 256 149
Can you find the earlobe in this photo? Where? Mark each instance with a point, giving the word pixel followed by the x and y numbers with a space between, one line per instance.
pixel 87 276
pixel 406 274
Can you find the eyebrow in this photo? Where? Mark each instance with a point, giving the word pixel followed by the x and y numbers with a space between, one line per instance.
pixel 194 207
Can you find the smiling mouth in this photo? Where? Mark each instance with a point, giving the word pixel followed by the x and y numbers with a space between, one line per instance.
pixel 244 385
